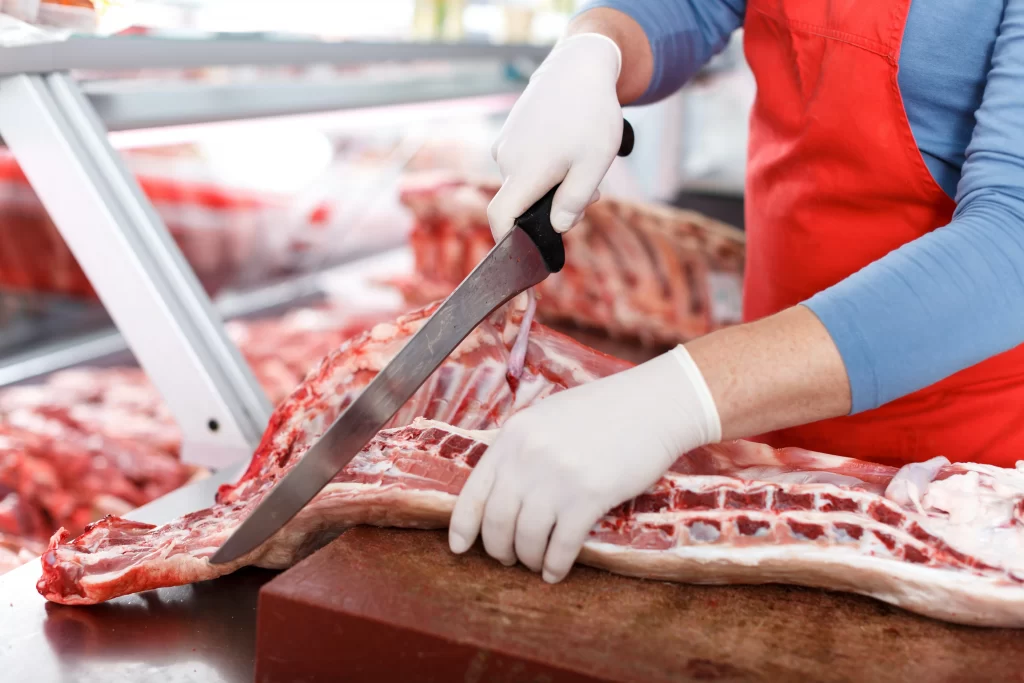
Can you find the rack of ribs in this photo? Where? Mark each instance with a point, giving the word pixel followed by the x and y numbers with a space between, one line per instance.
pixel 633 270
pixel 940 539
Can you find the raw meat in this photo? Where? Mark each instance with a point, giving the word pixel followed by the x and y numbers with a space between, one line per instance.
pixel 223 232
pixel 281 351
pixel 95 441
pixel 58 476
pixel 121 403
pixel 470 389
pixel 123 387
pixel 76 449
pixel 646 272
pixel 732 513
pixel 16 551
pixel 118 403
pixel 19 518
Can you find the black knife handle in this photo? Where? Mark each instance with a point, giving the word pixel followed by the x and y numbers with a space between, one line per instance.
pixel 536 220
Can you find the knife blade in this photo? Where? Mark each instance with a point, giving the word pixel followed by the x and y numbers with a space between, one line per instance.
pixel 524 257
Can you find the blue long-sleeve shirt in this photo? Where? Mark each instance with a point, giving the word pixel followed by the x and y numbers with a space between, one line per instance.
pixel 954 297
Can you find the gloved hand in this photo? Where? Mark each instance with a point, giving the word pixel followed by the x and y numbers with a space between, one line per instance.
pixel 566 127
pixel 561 464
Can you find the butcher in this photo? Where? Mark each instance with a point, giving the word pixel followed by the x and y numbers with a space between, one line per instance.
pixel 884 292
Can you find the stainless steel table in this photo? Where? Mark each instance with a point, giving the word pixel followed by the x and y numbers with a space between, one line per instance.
pixel 203 633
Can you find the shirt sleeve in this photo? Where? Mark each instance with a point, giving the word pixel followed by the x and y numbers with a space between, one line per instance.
pixel 684 35
pixel 954 297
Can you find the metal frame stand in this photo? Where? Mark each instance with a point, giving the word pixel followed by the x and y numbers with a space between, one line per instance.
pixel 137 270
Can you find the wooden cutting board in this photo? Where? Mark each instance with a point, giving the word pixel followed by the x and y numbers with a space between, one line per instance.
pixel 393 605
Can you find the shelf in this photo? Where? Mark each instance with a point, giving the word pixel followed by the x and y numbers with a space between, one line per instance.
pixel 123 105
pixel 107 346
pixel 88 53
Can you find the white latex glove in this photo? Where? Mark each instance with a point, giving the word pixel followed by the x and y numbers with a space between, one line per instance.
pixel 566 127
pixel 557 467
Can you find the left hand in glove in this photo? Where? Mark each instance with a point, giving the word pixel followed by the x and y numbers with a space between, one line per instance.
pixel 560 465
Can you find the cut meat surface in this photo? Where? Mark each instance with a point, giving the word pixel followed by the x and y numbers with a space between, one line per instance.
pixel 732 513
pixel 67 478
pixel 638 271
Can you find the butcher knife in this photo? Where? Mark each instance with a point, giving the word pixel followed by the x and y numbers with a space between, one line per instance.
pixel 524 257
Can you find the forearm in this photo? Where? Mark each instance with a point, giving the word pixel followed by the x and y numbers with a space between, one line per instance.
pixel 637 57
pixel 920 314
pixel 774 373
pixel 933 307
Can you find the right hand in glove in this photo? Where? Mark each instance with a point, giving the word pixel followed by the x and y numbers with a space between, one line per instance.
pixel 566 127
pixel 558 466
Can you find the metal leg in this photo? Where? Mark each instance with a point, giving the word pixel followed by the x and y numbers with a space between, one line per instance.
pixel 136 268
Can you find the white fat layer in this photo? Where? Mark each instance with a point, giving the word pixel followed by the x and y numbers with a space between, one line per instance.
pixel 779 475
pixel 976 514
pixel 909 484
pixel 702 532
pixel 959 597
pixel 384 332
pixel 486 436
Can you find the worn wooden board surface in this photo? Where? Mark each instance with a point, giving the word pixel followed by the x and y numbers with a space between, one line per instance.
pixel 385 604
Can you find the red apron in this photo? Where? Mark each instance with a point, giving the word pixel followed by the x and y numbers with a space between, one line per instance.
pixel 835 181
